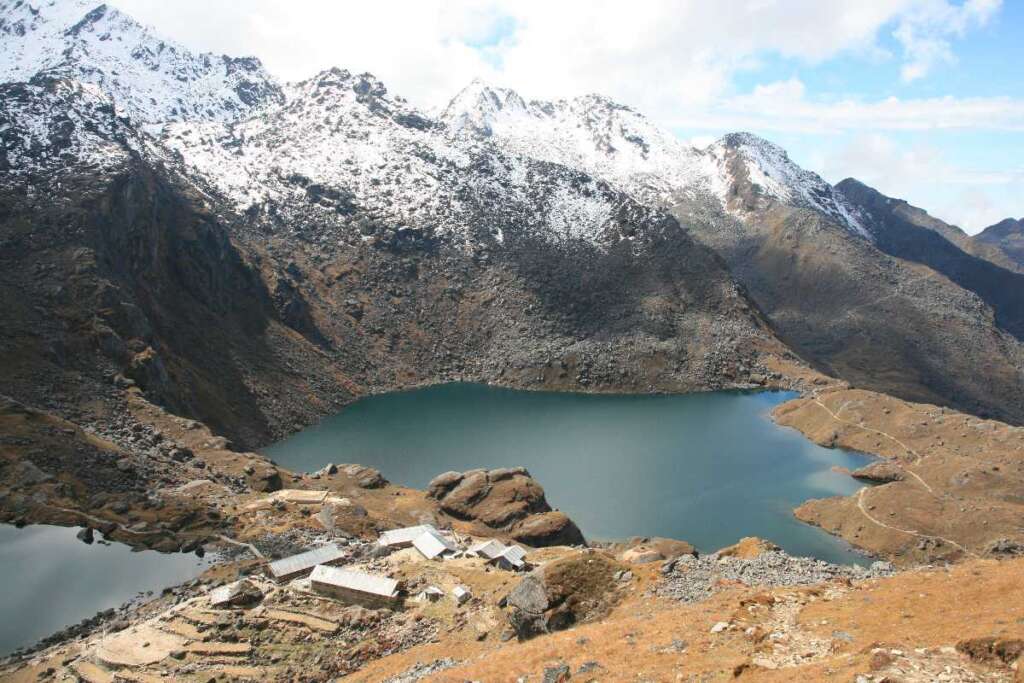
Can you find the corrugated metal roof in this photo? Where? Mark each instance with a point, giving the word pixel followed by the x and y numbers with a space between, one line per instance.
pixel 356 581
pixel 515 555
pixel 404 536
pixel 488 549
pixel 307 560
pixel 432 544
pixel 223 594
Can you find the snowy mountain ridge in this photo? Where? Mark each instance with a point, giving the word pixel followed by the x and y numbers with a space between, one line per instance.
pixel 618 144
pixel 232 123
pixel 149 79
pixel 341 147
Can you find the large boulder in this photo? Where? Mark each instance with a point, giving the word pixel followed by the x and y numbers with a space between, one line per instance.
pixel 505 499
pixel 567 591
pixel 644 550
pixel 880 472
pixel 364 477
pixel 264 479
pixel 547 528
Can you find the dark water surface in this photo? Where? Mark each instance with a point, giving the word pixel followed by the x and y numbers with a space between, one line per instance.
pixel 706 468
pixel 52 580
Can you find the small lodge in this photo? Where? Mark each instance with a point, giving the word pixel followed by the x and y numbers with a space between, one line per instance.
pixel 355 588
pixel 403 538
pixel 295 566
pixel 461 595
pixel 488 550
pixel 513 558
pixel 433 545
pixel 510 557
pixel 430 594
pixel 229 594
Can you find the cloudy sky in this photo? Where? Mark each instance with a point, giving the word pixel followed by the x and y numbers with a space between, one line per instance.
pixel 923 99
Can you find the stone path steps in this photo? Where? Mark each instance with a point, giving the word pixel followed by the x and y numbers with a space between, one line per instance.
pixel 91 673
pixel 218 649
pixel 183 628
pixel 315 623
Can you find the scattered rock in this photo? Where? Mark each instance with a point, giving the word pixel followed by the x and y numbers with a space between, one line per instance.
pixel 557 674
pixel 692 579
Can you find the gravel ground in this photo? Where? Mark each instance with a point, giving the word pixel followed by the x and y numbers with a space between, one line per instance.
pixel 421 670
pixel 690 579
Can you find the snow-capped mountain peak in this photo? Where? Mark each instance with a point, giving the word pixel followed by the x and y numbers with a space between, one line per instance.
pixel 613 142
pixel 151 80
pixel 768 172
pixel 590 132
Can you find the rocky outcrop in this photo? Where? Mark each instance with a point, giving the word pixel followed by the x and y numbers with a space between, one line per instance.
pixel 881 472
pixel 506 499
pixel 644 550
pixel 571 590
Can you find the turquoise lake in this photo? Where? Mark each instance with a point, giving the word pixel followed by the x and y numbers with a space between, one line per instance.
pixel 53 580
pixel 706 468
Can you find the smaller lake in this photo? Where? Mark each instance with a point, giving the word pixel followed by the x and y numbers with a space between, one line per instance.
pixel 706 468
pixel 53 580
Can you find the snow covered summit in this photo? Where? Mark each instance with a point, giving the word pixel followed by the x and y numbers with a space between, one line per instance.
pixel 150 79
pixel 617 144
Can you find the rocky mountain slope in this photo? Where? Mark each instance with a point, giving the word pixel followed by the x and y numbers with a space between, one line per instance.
pixel 256 274
pixel 1007 237
pixel 861 310
pixel 909 233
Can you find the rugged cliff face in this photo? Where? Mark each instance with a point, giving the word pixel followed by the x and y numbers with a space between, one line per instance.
pixel 121 272
pixel 893 322
pixel 909 233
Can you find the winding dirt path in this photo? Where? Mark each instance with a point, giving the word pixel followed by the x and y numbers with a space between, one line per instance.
pixel 863 492
pixel 908 449
pixel 874 520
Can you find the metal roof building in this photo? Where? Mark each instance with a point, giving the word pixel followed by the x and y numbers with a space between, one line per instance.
pixel 229 593
pixel 296 565
pixel 505 556
pixel 403 538
pixel 432 544
pixel 354 587
pixel 461 594
pixel 514 555
pixel 488 549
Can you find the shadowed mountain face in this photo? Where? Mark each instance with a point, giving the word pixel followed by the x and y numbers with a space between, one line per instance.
pixel 124 266
pixel 909 233
pixel 1007 237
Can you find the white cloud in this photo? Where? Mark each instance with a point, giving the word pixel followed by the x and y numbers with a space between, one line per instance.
pixel 657 55
pixel 926 29
pixel 784 106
